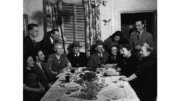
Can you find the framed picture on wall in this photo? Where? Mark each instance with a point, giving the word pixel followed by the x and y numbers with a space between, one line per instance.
pixel 25 23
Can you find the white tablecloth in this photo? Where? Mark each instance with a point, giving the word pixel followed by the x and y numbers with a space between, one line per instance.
pixel 58 93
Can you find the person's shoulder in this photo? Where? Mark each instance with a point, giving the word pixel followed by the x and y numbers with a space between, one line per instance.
pixel 106 53
pixel 69 54
pixel 133 33
pixel 51 55
pixel 93 55
pixel 147 33
pixel 26 38
pixel 63 55
pixel 108 39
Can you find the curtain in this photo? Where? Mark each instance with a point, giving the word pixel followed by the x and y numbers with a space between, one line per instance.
pixel 54 20
pixel 92 17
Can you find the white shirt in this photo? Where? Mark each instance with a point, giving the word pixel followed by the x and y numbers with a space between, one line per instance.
pixel 52 41
pixel 76 54
pixel 39 64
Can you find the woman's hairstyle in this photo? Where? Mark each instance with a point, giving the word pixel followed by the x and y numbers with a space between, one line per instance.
pixel 26 59
pixel 114 45
pixel 117 33
pixel 127 46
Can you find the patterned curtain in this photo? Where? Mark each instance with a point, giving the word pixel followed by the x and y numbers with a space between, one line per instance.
pixel 54 20
pixel 92 17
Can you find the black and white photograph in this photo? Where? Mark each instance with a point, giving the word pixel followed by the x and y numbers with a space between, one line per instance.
pixel 90 50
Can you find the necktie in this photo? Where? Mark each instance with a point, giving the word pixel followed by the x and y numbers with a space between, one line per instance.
pixel 138 36
pixel 101 57
pixel 34 42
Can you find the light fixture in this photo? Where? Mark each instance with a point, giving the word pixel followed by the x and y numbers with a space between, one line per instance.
pixel 103 2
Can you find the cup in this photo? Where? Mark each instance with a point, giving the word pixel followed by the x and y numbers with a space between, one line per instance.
pixel 121 84
pixel 67 78
pixel 72 71
pixel 103 81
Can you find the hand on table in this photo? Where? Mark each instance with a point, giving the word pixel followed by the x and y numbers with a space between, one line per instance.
pixel 41 89
pixel 118 69
pixel 124 78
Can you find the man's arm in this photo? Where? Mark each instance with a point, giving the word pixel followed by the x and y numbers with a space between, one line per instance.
pixel 49 62
pixel 150 40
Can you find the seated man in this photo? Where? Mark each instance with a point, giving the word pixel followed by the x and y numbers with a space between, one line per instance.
pixel 58 61
pixel 99 58
pixel 77 58
pixel 42 70
pixel 33 90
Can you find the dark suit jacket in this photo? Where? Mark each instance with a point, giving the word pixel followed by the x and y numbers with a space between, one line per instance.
pixel 145 37
pixel 95 60
pixel 55 64
pixel 46 77
pixel 80 61
pixel 29 48
pixel 47 47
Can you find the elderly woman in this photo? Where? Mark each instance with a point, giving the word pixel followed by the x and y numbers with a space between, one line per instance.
pixel 58 61
pixel 144 80
pixel 33 90
pixel 129 64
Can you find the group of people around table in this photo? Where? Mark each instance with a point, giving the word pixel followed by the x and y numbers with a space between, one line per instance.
pixel 135 60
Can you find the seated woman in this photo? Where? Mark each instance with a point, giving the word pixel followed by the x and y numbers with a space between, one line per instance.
pixel 144 80
pixel 58 61
pixel 130 62
pixel 33 90
pixel 115 56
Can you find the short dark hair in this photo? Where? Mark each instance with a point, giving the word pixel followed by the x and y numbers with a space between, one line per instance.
pixel 142 21
pixel 31 26
pixel 127 46
pixel 53 31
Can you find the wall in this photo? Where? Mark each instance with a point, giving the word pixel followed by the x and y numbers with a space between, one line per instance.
pixel 115 7
pixel 106 13
pixel 34 9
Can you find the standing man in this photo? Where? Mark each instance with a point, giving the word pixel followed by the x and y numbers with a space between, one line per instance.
pixel 77 58
pixel 139 37
pixel 48 43
pixel 30 45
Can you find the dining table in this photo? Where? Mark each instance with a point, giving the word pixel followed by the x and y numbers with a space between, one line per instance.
pixel 113 90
